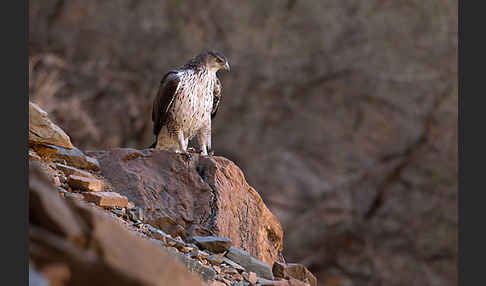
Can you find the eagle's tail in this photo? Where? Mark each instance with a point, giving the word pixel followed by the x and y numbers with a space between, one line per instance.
pixel 154 144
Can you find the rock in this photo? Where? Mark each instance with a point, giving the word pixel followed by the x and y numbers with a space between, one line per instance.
pixel 297 271
pixel 207 273
pixel 120 213
pixel 212 243
pixel 73 196
pixel 199 254
pixel 186 249
pixel 250 263
pixel 215 259
pixel 203 254
pixel 43 131
pixel 194 252
pixel 177 243
pixel 56 181
pixel 106 199
pixel 68 170
pixel 74 157
pixel 95 247
pixel 217 283
pixel 252 277
pixel 48 209
pixel 157 233
pixel 266 282
pixel 44 151
pixel 231 271
pixel 135 214
pixel 217 269
pixel 200 196
pixel 85 184
pixel 233 264
pixel 295 282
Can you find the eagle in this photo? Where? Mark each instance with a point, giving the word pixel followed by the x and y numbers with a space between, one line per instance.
pixel 187 99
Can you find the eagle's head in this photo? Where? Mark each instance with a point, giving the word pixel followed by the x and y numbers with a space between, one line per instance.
pixel 215 61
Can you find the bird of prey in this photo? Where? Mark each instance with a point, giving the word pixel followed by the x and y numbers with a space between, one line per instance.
pixel 187 100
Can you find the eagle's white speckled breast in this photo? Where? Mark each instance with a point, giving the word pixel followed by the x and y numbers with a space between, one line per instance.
pixel 193 102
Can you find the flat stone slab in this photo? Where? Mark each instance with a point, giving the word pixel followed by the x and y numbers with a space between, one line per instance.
pixel 250 263
pixel 68 170
pixel 233 264
pixel 106 199
pixel 74 157
pixel 212 243
pixel 85 184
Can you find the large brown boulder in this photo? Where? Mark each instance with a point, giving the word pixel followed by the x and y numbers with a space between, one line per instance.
pixel 196 196
pixel 74 244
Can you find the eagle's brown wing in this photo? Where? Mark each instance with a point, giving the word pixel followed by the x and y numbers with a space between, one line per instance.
pixel 216 97
pixel 163 100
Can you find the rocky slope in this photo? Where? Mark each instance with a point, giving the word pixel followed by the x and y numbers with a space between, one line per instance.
pixel 146 217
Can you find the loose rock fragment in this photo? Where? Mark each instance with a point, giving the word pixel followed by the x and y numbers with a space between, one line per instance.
pixel 73 196
pixel 135 214
pixel 68 170
pixel 215 259
pixel 74 157
pixel 212 243
pixel 85 184
pixel 252 278
pixel 250 263
pixel 233 264
pixel 106 199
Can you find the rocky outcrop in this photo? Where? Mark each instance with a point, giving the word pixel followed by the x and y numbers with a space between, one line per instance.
pixel 196 196
pixel 43 131
pixel 88 247
pixel 97 230
pixel 81 226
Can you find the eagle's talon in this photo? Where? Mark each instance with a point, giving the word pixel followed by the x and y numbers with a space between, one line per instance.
pixel 187 154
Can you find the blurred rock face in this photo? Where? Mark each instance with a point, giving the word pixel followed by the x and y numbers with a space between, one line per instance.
pixel 342 114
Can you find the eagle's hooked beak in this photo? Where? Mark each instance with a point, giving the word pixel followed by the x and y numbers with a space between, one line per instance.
pixel 227 67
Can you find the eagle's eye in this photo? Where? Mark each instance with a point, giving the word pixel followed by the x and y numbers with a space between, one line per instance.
pixel 219 60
